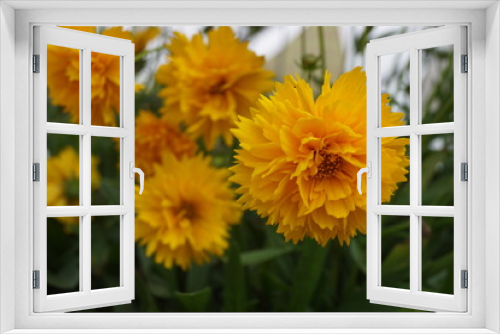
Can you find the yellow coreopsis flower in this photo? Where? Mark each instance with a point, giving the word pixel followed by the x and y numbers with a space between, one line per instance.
pixel 299 158
pixel 186 212
pixel 153 136
pixel 209 84
pixel 63 172
pixel 63 76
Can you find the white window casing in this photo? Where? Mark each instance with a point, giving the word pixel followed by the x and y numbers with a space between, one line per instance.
pixel 483 22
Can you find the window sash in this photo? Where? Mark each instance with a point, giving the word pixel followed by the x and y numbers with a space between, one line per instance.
pixel 86 297
pixel 414 298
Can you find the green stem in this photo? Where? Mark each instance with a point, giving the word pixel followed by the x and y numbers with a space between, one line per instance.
pixel 303 42
pixel 322 51
pixel 146 52
pixel 303 50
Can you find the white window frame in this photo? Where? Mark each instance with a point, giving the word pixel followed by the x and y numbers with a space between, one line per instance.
pixel 483 21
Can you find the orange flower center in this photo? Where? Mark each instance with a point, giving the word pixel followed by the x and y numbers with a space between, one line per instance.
pixel 218 88
pixel 188 211
pixel 331 163
pixel 186 215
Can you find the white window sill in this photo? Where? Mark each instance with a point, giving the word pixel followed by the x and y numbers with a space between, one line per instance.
pixel 251 331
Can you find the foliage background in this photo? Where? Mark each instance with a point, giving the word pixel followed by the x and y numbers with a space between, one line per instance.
pixel 260 272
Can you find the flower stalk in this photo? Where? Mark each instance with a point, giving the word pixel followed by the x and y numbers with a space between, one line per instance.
pixel 322 49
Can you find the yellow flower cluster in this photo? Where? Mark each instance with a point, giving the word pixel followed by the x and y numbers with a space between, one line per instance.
pixel 209 84
pixel 299 158
pixel 63 75
pixel 186 213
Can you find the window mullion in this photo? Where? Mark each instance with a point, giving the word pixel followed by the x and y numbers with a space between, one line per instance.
pixel 123 174
pixel 81 231
pixel 85 242
pixel 420 129
pixel 415 254
pixel 433 129
pixel 393 131
pixel 102 131
pixel 127 155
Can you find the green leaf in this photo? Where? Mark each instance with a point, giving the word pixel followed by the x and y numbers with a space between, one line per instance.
pixel 109 190
pixel 263 255
pixel 197 277
pixel 235 290
pixel 276 291
pixel 438 265
pixel 66 278
pixel 144 294
pixel 397 259
pixel 358 255
pixel 158 287
pixel 194 301
pixel 283 264
pixel 307 274
pixel 396 267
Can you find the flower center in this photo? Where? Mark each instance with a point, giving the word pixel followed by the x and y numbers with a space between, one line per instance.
pixel 330 164
pixel 188 211
pixel 217 88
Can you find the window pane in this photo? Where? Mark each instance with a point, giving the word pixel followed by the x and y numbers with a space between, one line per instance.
pixel 395 170
pixel 395 81
pixel 63 84
pixel 63 170
pixel 437 254
pixel 437 84
pixel 105 256
pixel 105 171
pixel 63 255
pixel 105 89
pixel 395 251
pixel 437 169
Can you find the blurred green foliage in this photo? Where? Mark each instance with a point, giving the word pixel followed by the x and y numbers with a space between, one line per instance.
pixel 260 272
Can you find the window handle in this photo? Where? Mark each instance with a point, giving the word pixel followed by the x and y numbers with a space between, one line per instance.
pixel 368 171
pixel 141 175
